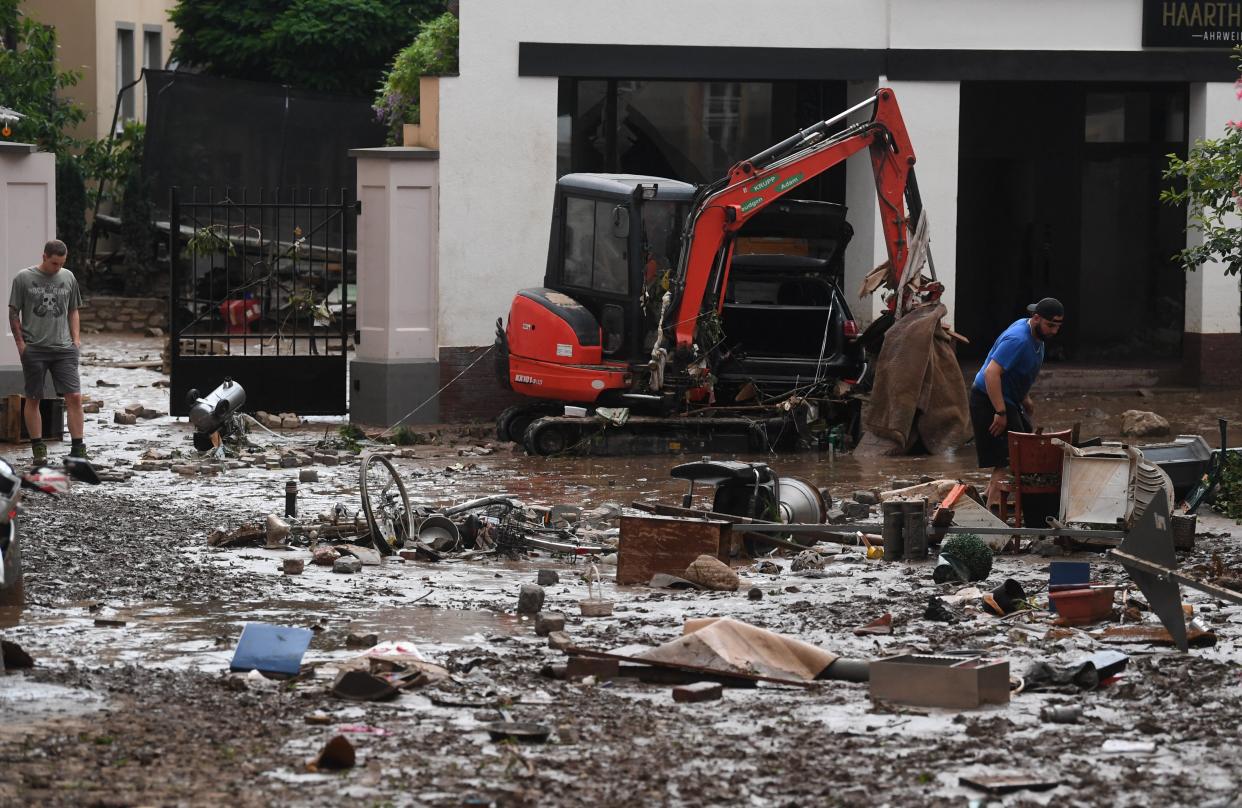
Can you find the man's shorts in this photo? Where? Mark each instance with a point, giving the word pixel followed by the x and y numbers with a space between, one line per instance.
pixel 61 362
pixel 993 452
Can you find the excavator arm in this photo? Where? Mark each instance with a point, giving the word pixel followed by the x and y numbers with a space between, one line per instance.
pixel 722 208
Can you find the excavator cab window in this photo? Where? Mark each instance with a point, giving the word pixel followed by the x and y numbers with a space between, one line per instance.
pixel 595 258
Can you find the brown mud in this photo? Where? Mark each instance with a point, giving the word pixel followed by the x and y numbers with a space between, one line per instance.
pixel 146 713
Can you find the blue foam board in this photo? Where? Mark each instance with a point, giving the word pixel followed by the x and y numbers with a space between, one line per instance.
pixel 1063 573
pixel 271 649
pixel 1067 573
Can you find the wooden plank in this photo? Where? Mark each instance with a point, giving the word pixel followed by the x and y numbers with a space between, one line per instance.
pixel 651 544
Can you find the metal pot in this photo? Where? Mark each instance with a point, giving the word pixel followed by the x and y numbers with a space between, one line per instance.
pixel 801 502
pixel 439 532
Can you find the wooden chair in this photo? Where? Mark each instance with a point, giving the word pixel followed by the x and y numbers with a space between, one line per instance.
pixel 1031 454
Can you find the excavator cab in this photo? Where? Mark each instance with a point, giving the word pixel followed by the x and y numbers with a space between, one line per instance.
pixel 614 242
pixel 615 238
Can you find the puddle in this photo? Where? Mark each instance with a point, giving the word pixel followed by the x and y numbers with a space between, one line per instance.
pixel 203 636
pixel 437 626
pixel 25 704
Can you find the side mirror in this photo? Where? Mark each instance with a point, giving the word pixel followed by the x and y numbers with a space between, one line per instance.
pixel 621 222
pixel 80 469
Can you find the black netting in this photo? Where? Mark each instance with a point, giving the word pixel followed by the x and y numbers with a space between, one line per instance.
pixel 208 132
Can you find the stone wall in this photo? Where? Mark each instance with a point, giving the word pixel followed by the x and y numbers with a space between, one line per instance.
pixel 123 314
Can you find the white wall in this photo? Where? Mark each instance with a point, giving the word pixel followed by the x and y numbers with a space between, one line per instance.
pixel 931 112
pixel 1212 297
pixel 866 250
pixel 1092 25
pixel 498 131
pixel 27 222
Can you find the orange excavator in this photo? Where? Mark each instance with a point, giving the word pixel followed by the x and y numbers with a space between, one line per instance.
pixel 675 317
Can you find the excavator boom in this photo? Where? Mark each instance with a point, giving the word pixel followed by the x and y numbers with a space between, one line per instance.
pixel 722 208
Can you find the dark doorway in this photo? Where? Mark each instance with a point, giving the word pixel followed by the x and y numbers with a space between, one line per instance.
pixel 1059 195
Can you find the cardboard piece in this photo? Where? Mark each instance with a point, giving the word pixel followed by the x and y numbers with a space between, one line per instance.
pixel 271 649
pixel 654 544
pixel 961 683
pixel 731 646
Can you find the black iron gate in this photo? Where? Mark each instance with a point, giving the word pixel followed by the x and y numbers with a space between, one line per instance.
pixel 262 293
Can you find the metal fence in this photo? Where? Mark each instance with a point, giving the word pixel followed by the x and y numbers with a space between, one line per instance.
pixel 263 293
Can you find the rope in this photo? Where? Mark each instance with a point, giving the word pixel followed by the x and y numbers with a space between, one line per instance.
pixel 438 392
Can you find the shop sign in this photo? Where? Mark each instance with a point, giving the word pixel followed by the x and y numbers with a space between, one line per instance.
pixel 1192 23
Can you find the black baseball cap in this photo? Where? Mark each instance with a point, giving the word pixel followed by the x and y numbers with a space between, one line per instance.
pixel 1049 308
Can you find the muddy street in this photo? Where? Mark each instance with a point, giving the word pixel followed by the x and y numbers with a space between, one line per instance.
pixel 132 620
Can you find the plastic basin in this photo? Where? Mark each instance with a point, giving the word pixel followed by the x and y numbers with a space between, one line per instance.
pixel 1079 606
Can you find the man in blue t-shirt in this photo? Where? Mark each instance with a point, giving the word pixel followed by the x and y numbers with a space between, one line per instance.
pixel 1000 399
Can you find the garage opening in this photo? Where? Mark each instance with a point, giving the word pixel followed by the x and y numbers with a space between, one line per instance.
pixel 1059 195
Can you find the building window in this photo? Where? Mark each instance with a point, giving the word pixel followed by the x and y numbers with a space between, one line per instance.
pixel 125 69
pixel 152 54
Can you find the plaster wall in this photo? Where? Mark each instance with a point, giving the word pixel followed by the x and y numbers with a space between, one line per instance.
pixel 931 110
pixel 1015 24
pixel 75 40
pixel 1212 297
pixel 27 222
pixel 498 130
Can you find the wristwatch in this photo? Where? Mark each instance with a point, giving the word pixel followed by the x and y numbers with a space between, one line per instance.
pixel 1001 413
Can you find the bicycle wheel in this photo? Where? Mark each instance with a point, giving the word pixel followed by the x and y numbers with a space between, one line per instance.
pixel 385 503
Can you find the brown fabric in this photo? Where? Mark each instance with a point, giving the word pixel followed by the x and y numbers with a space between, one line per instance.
pixel 919 391
pixel 731 646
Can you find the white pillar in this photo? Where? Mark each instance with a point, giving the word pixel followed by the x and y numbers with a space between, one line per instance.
pixel 1212 344
pixel 397 361
pixel 931 110
pixel 860 256
pixel 27 222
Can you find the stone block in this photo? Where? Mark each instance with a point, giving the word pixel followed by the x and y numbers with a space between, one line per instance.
pixel 347 565
pixel 548 622
pixel 530 599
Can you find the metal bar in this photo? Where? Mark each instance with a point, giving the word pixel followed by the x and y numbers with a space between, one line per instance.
pixel 793 140
pixel 174 256
pixel 871 527
pixel 347 220
pixel 245 212
pixel 1161 571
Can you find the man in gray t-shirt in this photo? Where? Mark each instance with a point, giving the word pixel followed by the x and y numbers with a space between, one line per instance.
pixel 43 314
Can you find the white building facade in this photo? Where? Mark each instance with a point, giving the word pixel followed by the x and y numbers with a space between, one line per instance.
pixel 1039 127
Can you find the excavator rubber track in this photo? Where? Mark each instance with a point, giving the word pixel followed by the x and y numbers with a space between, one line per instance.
pixel 579 436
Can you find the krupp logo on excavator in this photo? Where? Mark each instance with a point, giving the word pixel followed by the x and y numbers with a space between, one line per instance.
pixel 763 183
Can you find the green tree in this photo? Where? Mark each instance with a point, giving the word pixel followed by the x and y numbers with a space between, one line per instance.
pixel 340 46
pixel 1209 183
pixel 432 53
pixel 30 82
